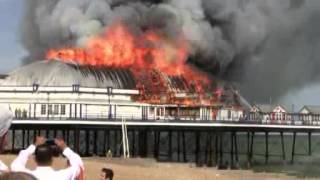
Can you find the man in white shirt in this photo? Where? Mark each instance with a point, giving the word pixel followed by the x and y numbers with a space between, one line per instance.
pixel 6 116
pixel 43 158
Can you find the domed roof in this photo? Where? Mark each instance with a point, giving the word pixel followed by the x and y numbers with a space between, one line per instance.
pixel 57 73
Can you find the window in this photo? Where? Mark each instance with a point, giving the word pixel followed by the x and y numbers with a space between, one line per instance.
pixel 50 109
pixel 56 109
pixel 63 109
pixel 229 114
pixel 43 109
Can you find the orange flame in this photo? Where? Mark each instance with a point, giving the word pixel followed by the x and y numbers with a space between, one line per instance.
pixel 118 47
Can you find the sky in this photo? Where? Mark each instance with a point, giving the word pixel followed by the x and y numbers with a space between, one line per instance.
pixel 11 52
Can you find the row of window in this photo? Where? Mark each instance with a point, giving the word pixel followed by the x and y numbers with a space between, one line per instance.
pixel 53 109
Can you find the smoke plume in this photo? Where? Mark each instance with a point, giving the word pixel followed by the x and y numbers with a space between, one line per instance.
pixel 266 47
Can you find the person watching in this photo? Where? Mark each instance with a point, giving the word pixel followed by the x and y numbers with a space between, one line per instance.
pixel 43 156
pixel 106 174
pixel 6 117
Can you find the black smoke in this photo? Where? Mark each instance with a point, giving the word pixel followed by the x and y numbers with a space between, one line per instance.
pixel 266 47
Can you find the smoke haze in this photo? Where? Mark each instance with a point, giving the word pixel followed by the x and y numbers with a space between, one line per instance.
pixel 267 47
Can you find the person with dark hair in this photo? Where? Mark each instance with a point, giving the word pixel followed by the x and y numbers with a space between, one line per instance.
pixel 44 157
pixel 6 117
pixel 106 174
pixel 17 176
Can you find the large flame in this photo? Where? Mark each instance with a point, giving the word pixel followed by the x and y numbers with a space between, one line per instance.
pixel 120 48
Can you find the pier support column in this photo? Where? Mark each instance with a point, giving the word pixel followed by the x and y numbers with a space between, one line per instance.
pixel 216 148
pixel 184 147
pixel 155 145
pixel 87 142
pixel 95 140
pixel 76 139
pixel 236 149
pixel 23 139
pixel 231 150
pixel 282 145
pixel 170 145
pixel 178 145
pixel 197 148
pixel 13 140
pixel 267 147
pixel 251 148
pixel 133 150
pixel 293 146
pixel 220 165
pixel 309 143
pixel 104 139
pixel 28 137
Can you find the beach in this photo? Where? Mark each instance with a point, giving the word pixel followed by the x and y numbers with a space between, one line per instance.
pixel 149 169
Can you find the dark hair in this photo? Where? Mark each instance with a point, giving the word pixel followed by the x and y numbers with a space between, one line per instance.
pixel 17 176
pixel 108 173
pixel 43 155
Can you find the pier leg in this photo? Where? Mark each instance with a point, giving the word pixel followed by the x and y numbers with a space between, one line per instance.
pixel 206 148
pixel 108 141
pixel 236 149
pixel 95 148
pixel 178 143
pixel 267 147
pixel 77 140
pixel 145 143
pixel 87 142
pixel 220 150
pixel 67 136
pixel 197 148
pixel 133 144
pixel 293 146
pixel 248 147
pixel 283 150
pixel 13 140
pixel 34 135
pixel 216 150
pixel 170 146
pixel 251 148
pixel 209 163
pixel 309 143
pixel 104 149
pixel 184 147
pixel 115 148
pixel 231 150
pixel 28 137
pixel 155 133
pixel 23 139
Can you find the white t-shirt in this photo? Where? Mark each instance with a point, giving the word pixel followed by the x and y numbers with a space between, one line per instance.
pixel 46 172
pixel 3 167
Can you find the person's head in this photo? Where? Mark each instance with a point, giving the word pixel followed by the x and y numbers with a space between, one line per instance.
pixel 16 176
pixel 106 174
pixel 43 155
pixel 6 117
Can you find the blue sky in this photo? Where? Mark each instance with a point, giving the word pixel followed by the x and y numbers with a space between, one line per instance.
pixel 11 51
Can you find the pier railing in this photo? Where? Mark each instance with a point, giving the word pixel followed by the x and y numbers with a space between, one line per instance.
pixel 248 118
